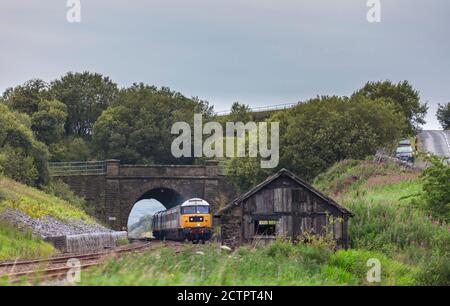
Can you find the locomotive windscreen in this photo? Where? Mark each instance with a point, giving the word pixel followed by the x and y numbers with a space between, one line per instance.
pixel 197 209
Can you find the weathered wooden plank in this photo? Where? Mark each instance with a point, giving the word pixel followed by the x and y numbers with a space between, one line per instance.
pixel 338 229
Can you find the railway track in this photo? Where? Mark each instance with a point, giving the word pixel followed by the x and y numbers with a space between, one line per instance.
pixel 57 267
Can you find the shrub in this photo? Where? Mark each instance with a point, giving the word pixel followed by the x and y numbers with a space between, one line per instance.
pixel 20 149
pixel 18 166
pixel 436 189
pixel 61 190
pixel 436 271
pixel 70 149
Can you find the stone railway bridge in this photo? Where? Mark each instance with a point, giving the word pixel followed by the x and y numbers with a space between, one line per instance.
pixel 113 189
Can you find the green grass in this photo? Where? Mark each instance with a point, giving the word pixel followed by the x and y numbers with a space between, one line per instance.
pixel 15 244
pixel 281 263
pixel 36 203
pixel 349 175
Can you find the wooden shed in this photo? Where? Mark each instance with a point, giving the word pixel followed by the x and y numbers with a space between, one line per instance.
pixel 283 205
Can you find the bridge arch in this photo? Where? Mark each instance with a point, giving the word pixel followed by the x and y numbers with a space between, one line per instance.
pixel 169 193
pixel 149 203
pixel 113 188
pixel 166 196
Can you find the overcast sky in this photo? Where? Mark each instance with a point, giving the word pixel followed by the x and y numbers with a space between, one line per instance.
pixel 258 52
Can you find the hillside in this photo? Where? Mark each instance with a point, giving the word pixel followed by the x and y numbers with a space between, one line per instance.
pixel 142 228
pixel 27 215
pixel 389 217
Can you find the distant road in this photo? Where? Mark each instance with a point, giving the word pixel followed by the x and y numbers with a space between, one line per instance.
pixel 435 142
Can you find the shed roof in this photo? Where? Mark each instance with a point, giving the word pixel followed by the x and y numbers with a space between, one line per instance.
pixel 286 173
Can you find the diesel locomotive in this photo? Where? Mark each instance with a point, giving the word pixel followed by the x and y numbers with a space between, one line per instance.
pixel 191 221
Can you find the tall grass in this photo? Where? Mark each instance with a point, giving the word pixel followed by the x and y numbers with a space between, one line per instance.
pixel 16 244
pixel 281 263
pixel 385 220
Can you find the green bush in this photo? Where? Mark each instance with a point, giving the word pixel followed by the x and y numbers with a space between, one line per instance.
pixel 18 166
pixel 436 189
pixel 436 271
pixel 70 149
pixel 48 121
pixel 61 190
pixel 21 150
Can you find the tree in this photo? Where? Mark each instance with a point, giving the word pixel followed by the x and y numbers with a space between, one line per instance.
pixel 403 96
pixel 239 112
pixel 86 96
pixel 33 99
pixel 70 149
pixel 18 166
pixel 443 116
pixel 48 121
pixel 22 157
pixel 245 172
pixel 25 98
pixel 329 129
pixel 137 128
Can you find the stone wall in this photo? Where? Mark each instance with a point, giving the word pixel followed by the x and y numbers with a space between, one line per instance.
pixel 86 243
pixel 230 227
pixel 92 188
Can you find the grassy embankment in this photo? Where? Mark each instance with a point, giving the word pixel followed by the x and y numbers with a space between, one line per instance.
pixel 15 243
pixel 387 225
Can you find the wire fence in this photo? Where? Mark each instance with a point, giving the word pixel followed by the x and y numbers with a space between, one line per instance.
pixel 77 168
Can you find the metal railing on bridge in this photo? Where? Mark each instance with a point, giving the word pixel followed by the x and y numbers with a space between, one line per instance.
pixel 260 109
pixel 77 168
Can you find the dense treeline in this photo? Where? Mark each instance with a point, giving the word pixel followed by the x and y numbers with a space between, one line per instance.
pixel 86 116
pixel 321 131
